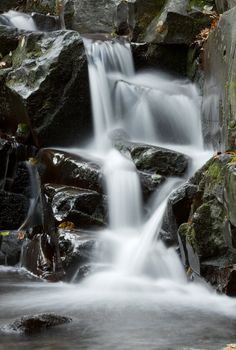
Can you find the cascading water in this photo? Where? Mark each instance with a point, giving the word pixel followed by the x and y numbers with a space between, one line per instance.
pixel 152 108
pixel 18 20
pixel 139 299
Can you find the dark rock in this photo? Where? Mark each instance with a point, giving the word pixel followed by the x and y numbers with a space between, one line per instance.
pixel 46 23
pixel 208 236
pixel 150 183
pixel 230 192
pixel 35 323
pixel 85 208
pixel 148 158
pixel 158 160
pixel 68 169
pixel 39 256
pixel 13 210
pixel 224 5
pixel 10 248
pixel 77 250
pixel 169 58
pixel 42 61
pixel 178 209
pixel 219 88
pixel 175 26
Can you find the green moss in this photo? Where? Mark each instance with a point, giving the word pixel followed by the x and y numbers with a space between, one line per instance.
pixel 214 172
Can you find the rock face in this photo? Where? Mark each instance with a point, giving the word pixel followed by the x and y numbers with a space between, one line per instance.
pixel 10 249
pixel 77 249
pixel 219 104
pixel 68 169
pixel 35 323
pixel 83 207
pixel 41 62
pixel 207 239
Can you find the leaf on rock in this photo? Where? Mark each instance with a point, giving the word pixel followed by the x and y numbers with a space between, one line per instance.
pixel 67 225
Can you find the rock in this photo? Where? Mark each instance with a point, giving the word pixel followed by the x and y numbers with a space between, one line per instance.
pixel 168 58
pixel 175 25
pixel 219 64
pixel 230 192
pixel 40 257
pixel 69 169
pixel 148 158
pixel 77 250
pixel 85 208
pixel 223 5
pixel 150 183
pixel 31 324
pixel 46 23
pixel 10 248
pixel 58 59
pixel 158 160
pixel 13 210
pixel 178 209
pixel 207 238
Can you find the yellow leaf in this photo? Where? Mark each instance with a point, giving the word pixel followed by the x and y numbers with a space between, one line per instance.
pixel 67 225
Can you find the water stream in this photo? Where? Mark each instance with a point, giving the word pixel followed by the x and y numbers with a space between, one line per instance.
pixel 141 298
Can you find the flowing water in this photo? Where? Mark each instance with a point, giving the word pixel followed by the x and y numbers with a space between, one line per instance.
pixel 140 299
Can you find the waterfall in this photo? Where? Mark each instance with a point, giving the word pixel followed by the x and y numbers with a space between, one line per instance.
pixel 152 108
pixel 18 20
pixel 105 59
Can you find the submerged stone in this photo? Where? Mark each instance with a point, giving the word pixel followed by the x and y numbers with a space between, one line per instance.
pixel 32 324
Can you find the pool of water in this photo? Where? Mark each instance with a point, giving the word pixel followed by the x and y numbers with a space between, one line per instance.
pixel 137 315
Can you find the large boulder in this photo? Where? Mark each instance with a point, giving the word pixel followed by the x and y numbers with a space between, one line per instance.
pixel 219 100
pixel 176 24
pixel 83 207
pixel 208 236
pixel 10 248
pixel 77 249
pixel 41 62
pixel 64 168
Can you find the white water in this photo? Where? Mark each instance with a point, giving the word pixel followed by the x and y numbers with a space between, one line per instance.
pixel 18 20
pixel 155 109
pixel 141 299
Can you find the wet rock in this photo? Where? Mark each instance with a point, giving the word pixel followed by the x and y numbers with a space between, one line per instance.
pixel 35 323
pixel 42 61
pixel 77 250
pixel 230 192
pixel 40 257
pixel 178 209
pixel 85 208
pixel 223 5
pixel 158 160
pixel 10 248
pixel 219 87
pixel 207 238
pixel 150 183
pixel 169 58
pixel 175 25
pixel 46 23
pixel 13 210
pixel 68 169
